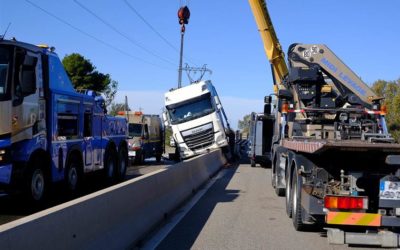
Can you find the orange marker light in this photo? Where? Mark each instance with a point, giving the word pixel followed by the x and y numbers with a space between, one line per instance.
pixel 285 108
pixel 383 110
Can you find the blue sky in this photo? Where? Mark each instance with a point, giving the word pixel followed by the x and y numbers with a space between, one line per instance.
pixel 222 34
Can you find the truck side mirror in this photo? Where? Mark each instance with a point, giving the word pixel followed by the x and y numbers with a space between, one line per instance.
pixel 165 118
pixel 393 160
pixel 217 102
pixel 146 132
pixel 267 104
pixel 285 94
pixel 216 99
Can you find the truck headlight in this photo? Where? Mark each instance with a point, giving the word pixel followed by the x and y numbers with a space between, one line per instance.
pixel 220 139
pixel 4 156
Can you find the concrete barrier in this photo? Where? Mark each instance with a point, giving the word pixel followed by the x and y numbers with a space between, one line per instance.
pixel 113 218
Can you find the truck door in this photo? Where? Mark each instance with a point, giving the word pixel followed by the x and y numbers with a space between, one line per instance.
pixel 97 138
pixel 147 147
pixel 258 137
pixel 88 138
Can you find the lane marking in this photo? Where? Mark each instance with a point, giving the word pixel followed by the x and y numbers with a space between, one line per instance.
pixel 162 233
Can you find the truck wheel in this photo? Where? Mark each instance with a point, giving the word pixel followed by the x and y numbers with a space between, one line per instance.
pixel 158 157
pixel 273 170
pixel 297 210
pixel 122 164
pixel 142 157
pixel 73 176
pixel 278 191
pixel 252 163
pixel 37 184
pixel 288 198
pixel 177 155
pixel 109 167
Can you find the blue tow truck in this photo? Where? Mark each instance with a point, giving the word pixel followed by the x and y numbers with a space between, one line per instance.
pixel 49 132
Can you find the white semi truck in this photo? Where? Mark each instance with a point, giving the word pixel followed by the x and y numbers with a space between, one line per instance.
pixel 197 119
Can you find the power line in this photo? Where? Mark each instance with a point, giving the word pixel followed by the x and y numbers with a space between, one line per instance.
pixel 121 33
pixel 93 37
pixel 150 26
pixel 153 29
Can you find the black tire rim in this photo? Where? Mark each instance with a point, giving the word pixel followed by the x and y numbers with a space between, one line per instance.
pixel 72 178
pixel 110 170
pixel 37 184
pixel 122 167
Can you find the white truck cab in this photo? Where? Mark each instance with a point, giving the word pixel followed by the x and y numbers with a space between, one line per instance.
pixel 196 117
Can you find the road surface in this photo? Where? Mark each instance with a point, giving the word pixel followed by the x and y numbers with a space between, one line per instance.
pixel 241 211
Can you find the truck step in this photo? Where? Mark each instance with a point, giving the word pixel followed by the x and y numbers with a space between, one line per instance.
pixel 382 238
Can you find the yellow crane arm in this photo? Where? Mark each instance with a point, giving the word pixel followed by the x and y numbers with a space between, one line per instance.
pixel 272 46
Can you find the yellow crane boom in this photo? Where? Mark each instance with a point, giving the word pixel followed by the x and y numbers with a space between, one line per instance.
pixel 272 47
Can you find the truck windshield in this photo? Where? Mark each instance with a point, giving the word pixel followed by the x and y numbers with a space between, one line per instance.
pixel 135 129
pixel 4 72
pixel 191 109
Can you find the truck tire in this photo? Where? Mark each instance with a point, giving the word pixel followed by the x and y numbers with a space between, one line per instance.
pixel 296 203
pixel 141 157
pixel 273 171
pixel 122 164
pixel 177 155
pixel 274 181
pixel 37 184
pixel 278 191
pixel 109 166
pixel 37 180
pixel 288 197
pixel 73 176
pixel 158 157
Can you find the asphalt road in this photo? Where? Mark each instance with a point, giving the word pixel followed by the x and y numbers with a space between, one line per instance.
pixel 241 211
pixel 13 207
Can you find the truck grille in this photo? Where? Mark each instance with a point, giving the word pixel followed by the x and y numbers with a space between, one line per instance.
pixel 200 140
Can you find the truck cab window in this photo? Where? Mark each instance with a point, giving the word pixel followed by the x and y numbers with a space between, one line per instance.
pixel 5 61
pixel 67 126
pixel 24 77
pixel 190 110
pixel 3 78
pixel 135 129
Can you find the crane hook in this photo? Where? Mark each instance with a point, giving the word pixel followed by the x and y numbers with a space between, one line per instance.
pixel 183 15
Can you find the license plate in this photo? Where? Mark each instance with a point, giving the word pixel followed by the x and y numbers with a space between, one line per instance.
pixel 389 190
pixel 132 153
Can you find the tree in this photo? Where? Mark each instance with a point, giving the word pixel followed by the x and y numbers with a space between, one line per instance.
pixel 244 124
pixel 390 90
pixel 115 107
pixel 84 75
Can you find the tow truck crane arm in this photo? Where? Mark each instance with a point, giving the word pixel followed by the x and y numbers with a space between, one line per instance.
pixel 308 63
pixel 319 55
pixel 272 46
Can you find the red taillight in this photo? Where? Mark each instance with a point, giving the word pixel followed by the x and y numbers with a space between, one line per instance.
pixel 345 202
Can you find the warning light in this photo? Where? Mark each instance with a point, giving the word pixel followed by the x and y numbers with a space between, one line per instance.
pixel 383 110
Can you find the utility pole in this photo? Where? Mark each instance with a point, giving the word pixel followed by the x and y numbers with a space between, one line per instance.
pixel 183 15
